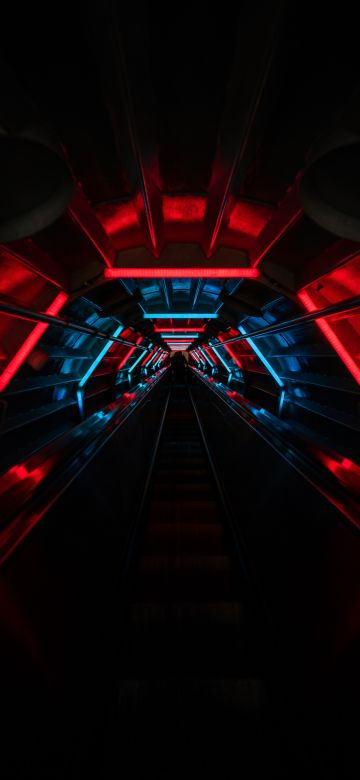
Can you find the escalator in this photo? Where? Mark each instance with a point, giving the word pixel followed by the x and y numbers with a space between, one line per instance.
pixel 191 690
pixel 141 632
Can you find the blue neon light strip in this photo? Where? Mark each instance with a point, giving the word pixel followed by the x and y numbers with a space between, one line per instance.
pixel 198 358
pixel 99 357
pixel 162 355
pixel 207 358
pixel 168 315
pixel 136 362
pixel 281 400
pixel 174 336
pixel 220 358
pixel 262 357
pixel 153 357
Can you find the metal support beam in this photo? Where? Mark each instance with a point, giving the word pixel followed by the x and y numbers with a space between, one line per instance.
pixel 241 129
pixel 198 288
pixel 119 43
pixel 302 319
pixel 20 312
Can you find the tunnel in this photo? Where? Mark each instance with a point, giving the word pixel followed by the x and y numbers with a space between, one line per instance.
pixel 179 391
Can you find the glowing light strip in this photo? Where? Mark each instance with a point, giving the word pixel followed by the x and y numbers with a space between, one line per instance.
pixel 154 356
pixel 129 353
pixel 30 342
pixel 263 359
pixel 136 362
pixel 180 330
pixel 161 358
pixel 99 357
pixel 178 336
pixel 331 337
pixel 181 273
pixel 198 357
pixel 208 359
pixel 179 315
pixel 231 353
pixel 147 357
pixel 220 358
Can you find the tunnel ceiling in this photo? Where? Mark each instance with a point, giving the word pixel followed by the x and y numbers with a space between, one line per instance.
pixel 189 135
pixel 186 135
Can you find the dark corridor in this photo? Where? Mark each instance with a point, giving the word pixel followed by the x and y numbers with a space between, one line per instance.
pixel 179 392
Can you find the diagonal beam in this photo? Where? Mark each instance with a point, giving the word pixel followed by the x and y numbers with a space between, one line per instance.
pixel 197 292
pixel 286 216
pixel 240 131
pixel 120 45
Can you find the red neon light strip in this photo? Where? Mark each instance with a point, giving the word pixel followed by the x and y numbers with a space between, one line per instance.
pixel 179 330
pixel 147 357
pixel 332 337
pixel 208 350
pixel 128 354
pixel 231 353
pixel 179 273
pixel 30 342
pixel 155 355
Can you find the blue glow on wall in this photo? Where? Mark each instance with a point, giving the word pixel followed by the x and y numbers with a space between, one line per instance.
pixel 207 358
pixel 220 358
pixel 99 357
pixel 262 357
pixel 136 362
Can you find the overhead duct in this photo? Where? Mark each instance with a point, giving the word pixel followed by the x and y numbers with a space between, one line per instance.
pixel 36 183
pixel 329 187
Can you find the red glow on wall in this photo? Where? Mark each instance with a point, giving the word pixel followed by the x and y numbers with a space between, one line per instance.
pixel 212 355
pixel 22 474
pixel 148 357
pixel 345 470
pixel 117 218
pixel 231 353
pixel 128 354
pixel 179 273
pixel 341 331
pixel 249 218
pixel 183 208
pixel 30 342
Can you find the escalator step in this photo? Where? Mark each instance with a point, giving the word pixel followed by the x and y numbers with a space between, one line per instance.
pixel 172 538
pixel 194 695
pixel 183 511
pixel 196 491
pixel 186 474
pixel 185 615
pixel 193 565
pixel 184 578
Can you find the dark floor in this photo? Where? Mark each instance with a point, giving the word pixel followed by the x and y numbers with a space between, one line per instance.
pixel 182 652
